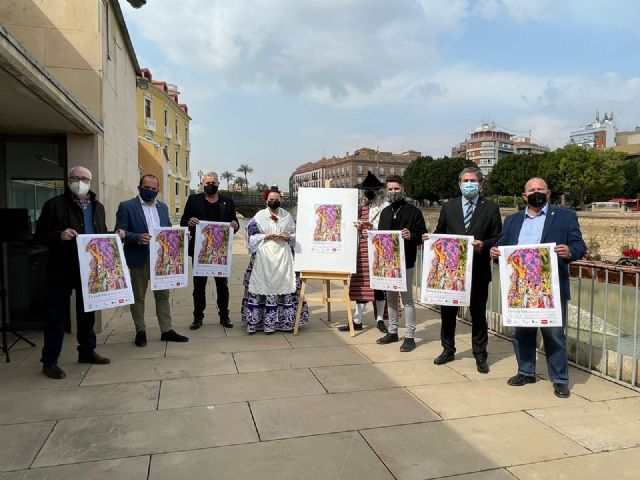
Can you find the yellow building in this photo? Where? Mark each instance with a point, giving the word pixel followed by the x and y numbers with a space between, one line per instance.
pixel 163 139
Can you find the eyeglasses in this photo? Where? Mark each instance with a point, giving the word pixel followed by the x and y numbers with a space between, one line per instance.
pixel 80 179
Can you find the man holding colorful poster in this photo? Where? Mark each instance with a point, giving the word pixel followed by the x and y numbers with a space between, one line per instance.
pixel 138 218
pixel 543 223
pixel 212 207
pixel 408 221
pixel 475 216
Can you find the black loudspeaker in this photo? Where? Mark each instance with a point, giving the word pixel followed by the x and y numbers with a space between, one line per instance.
pixel 16 227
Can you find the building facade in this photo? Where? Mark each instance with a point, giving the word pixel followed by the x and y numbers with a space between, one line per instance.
pixel 487 144
pixel 599 134
pixel 163 139
pixel 348 171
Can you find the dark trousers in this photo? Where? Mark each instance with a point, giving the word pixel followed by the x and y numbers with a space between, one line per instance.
pixel 200 297
pixel 379 295
pixel 478 310
pixel 58 303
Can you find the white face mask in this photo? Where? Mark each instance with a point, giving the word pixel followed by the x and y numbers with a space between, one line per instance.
pixel 79 188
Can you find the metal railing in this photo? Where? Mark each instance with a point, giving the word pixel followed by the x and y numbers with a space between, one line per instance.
pixel 602 330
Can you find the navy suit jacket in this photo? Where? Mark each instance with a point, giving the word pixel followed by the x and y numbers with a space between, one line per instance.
pixel 131 219
pixel 485 225
pixel 560 226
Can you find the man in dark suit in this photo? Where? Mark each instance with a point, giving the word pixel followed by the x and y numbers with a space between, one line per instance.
pixel 544 223
pixel 212 207
pixel 470 214
pixel 136 218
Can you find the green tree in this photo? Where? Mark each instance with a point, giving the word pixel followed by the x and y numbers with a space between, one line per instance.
pixel 241 182
pixel 510 174
pixel 244 168
pixel 228 176
pixel 260 187
pixel 414 176
pixel 632 178
pixel 426 178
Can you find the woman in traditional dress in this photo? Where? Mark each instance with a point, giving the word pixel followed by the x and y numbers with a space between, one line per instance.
pixel 359 289
pixel 271 287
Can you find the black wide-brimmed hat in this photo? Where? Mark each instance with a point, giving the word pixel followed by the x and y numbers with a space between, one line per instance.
pixel 370 182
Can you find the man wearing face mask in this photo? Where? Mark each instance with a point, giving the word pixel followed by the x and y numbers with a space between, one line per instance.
pixel 137 218
pixel 63 218
pixel 212 207
pixel 544 223
pixel 401 215
pixel 470 214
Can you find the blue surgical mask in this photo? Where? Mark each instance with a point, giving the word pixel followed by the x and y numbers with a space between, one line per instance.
pixel 469 189
pixel 147 195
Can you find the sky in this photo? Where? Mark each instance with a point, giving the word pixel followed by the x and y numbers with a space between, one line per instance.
pixel 278 83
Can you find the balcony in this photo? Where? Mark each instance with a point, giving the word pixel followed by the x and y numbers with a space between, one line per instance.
pixel 187 145
pixel 178 139
pixel 168 133
pixel 150 124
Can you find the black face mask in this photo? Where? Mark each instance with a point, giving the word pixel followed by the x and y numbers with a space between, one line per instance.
pixel 370 194
pixel 210 189
pixel 537 199
pixel 274 204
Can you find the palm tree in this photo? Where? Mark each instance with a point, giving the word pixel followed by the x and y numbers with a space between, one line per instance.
pixel 245 168
pixel 228 176
pixel 241 181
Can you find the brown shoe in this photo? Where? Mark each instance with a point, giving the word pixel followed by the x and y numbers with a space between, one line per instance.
pixel 94 358
pixel 52 370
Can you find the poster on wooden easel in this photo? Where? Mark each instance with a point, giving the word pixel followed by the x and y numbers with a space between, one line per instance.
pixel 326 240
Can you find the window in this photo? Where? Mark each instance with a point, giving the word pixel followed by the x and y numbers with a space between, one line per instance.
pixel 186 163
pixel 147 108
pixel 177 188
pixel 186 191
pixel 392 171
pixel 360 171
pixel 176 126
pixel 381 171
pixel 177 162
pixel 166 117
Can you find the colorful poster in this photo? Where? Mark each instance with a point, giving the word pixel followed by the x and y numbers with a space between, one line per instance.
pixel 446 270
pixel 104 274
pixel 327 231
pixel 387 269
pixel 168 258
pixel 213 249
pixel 530 286
pixel 326 240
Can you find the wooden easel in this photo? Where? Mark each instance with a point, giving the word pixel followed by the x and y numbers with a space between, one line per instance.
pixel 326 297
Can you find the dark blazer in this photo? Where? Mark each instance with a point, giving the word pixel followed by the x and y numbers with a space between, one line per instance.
pixel 561 226
pixel 58 214
pixel 486 225
pixel 408 217
pixel 195 207
pixel 130 218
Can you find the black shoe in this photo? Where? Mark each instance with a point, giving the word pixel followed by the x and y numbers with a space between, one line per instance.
pixel 173 336
pixel 519 380
pixel 226 322
pixel 445 357
pixel 345 328
pixel 561 390
pixel 197 323
pixel 408 345
pixel 94 358
pixel 381 326
pixel 52 370
pixel 141 339
pixel 388 338
pixel 481 365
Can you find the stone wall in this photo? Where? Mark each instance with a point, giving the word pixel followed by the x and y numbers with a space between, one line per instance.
pixel 604 233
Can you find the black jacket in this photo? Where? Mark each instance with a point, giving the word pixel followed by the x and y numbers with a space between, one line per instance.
pixel 408 217
pixel 195 207
pixel 58 214
pixel 486 225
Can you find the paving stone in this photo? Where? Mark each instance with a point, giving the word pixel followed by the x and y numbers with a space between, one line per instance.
pixel 618 465
pixel 470 399
pixel 336 456
pixel 29 406
pixel 160 369
pixel 601 426
pixel 115 436
pixel 293 417
pixel 345 378
pixel 595 388
pixel 186 392
pixel 135 468
pixel 297 358
pixel 501 365
pixel 31 377
pixel 391 352
pixel 244 343
pixel 439 449
pixel 20 444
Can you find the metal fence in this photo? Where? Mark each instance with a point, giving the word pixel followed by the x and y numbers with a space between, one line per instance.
pixel 602 330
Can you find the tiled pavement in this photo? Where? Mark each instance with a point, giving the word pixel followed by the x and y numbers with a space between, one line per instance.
pixel 320 405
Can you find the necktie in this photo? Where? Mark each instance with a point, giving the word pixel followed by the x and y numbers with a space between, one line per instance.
pixel 468 214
